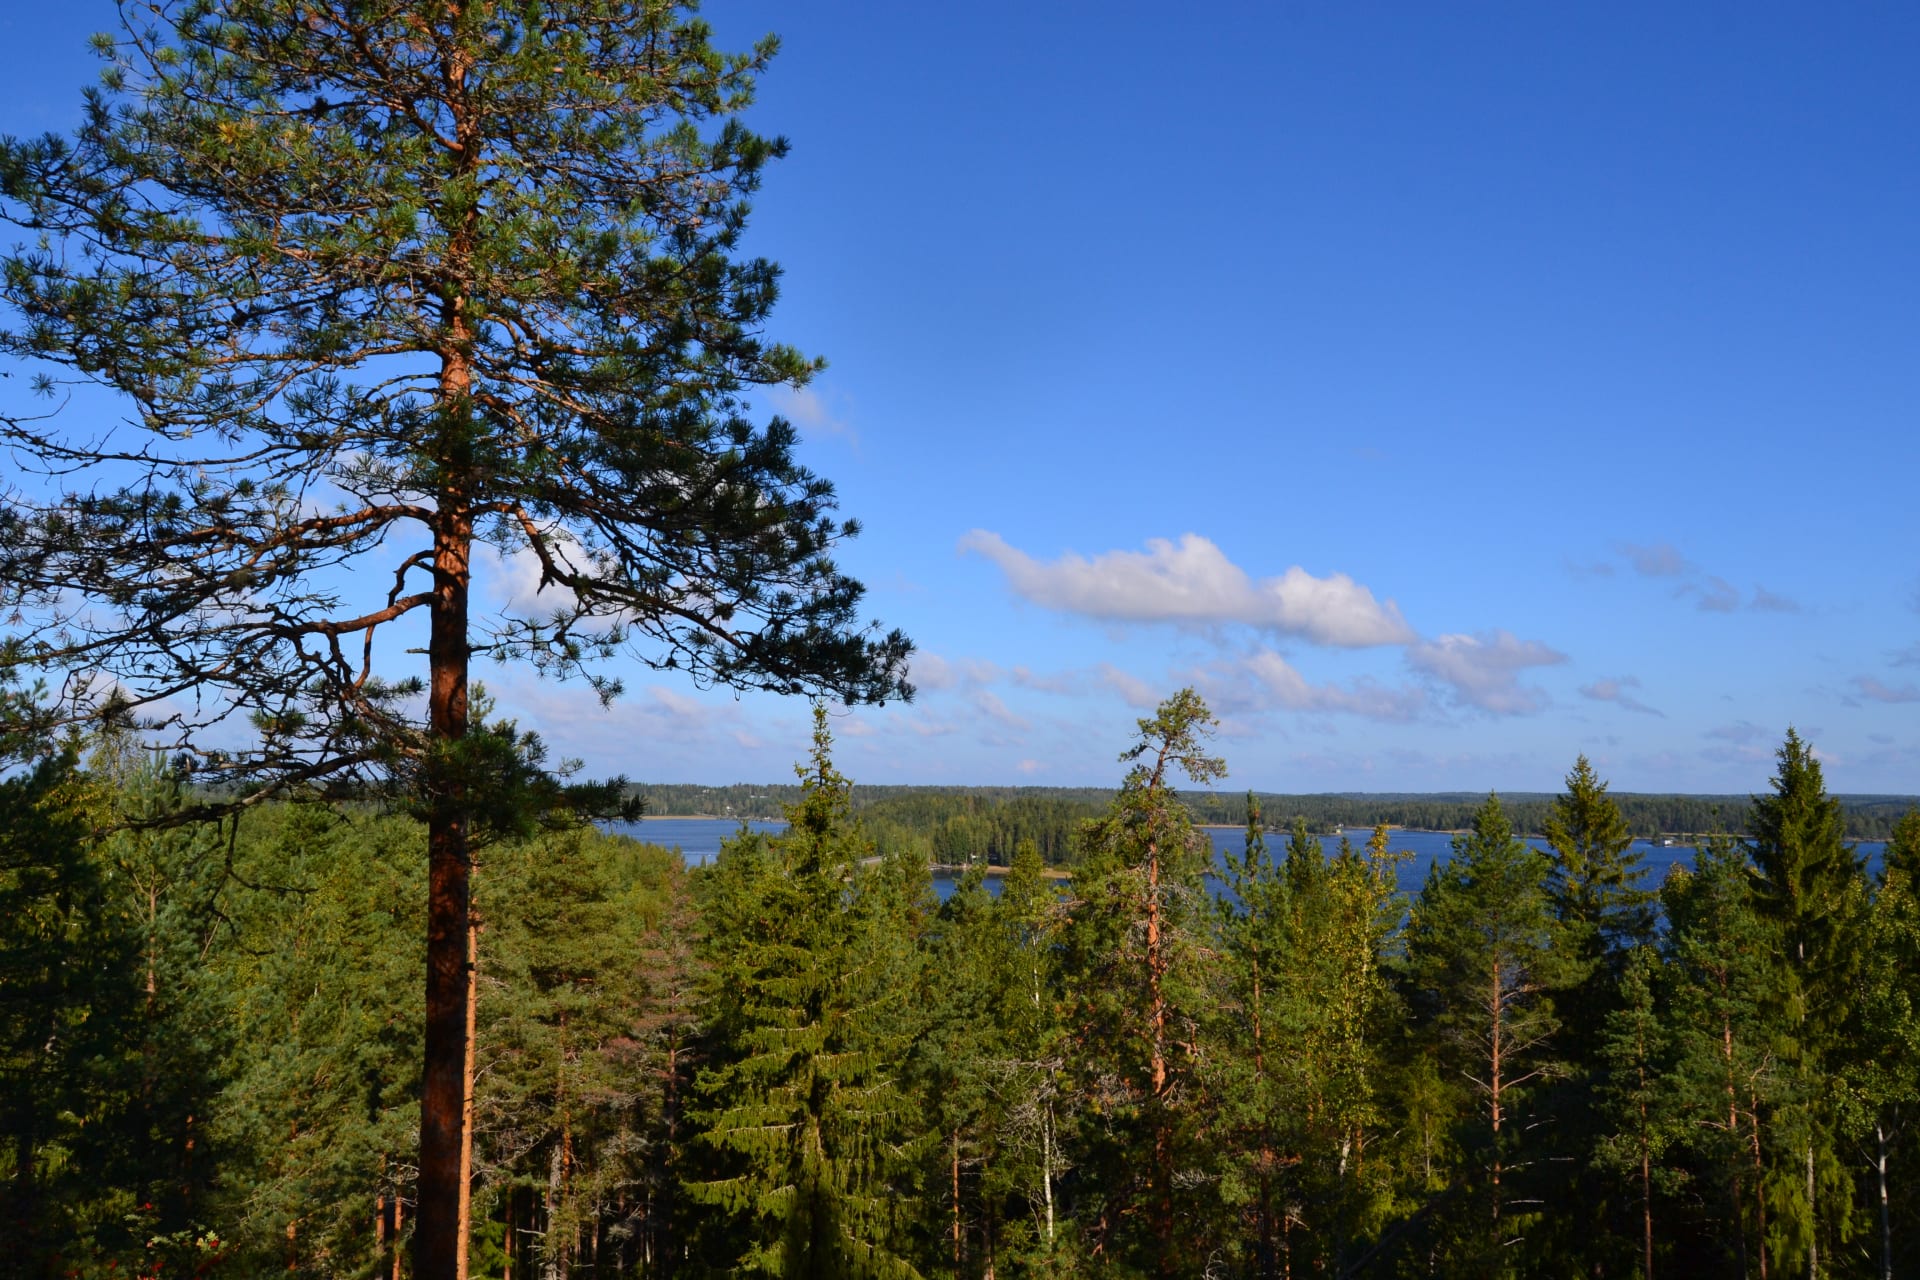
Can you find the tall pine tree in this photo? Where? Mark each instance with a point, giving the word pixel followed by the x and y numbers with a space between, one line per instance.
pixel 1137 951
pixel 378 274
pixel 1481 968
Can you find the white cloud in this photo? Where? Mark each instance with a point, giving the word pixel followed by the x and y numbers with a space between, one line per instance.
pixel 1043 682
pixel 807 408
pixel 989 705
pixel 1131 688
pixel 1030 767
pixel 1192 581
pixel 679 704
pixel 930 671
pixel 512 581
pixel 1483 671
pixel 1616 692
pixel 1709 592
pixel 1285 687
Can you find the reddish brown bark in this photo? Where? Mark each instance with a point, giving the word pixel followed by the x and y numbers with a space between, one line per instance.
pixel 440 1247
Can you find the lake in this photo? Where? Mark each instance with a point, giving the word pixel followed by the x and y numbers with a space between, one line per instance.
pixel 698 840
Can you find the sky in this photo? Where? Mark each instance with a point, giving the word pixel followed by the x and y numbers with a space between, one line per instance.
pixel 1442 391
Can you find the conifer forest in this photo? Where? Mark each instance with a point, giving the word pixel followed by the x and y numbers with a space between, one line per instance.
pixel 795 1061
pixel 324 318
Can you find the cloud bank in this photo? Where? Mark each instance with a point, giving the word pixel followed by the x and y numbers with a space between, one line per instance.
pixel 1192 582
pixel 1619 693
pixel 1483 671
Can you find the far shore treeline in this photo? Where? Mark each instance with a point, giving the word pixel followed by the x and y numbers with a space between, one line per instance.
pixel 953 824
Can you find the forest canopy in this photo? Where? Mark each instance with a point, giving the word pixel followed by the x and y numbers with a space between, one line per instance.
pixel 802 1060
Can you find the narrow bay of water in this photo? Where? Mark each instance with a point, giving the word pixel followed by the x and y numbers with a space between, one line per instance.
pixel 699 839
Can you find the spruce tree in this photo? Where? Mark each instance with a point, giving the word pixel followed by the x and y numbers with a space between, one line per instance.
pixel 1810 889
pixel 1604 915
pixel 66 999
pixel 1594 884
pixel 441 279
pixel 812 987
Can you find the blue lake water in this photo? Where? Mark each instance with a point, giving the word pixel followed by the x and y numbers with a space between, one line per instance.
pixel 698 840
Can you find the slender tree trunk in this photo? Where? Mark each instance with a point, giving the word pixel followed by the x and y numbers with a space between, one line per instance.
pixel 1886 1223
pixel 552 1261
pixel 399 1222
pixel 1733 1136
pixel 1493 1077
pixel 1759 1187
pixel 1813 1224
pixel 509 1242
pixel 1157 1026
pixel 466 1096
pixel 1646 1167
pixel 1046 1169
pixel 956 1200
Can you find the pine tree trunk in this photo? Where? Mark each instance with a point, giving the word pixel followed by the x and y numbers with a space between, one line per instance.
pixel 466 1098
pixel 438 1248
pixel 1157 1026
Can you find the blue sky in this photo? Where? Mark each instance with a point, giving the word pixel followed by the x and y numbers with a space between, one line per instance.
pixel 1443 390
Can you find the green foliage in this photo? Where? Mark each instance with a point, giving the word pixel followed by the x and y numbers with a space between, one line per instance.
pixel 1481 969
pixel 1136 952
pixel 1811 892
pixel 794 1062
pixel 812 973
